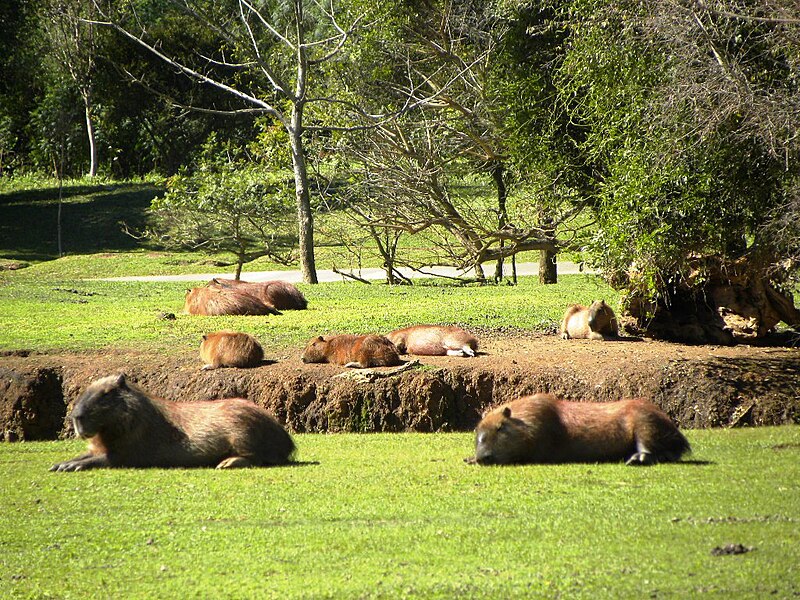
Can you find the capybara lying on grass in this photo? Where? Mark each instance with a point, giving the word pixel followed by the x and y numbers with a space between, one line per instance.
pixel 595 322
pixel 230 349
pixel 358 351
pixel 280 294
pixel 434 340
pixel 224 301
pixel 543 429
pixel 126 427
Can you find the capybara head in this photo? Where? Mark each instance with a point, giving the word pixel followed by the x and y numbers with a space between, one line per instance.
pixel 501 439
pixel 99 405
pixel 315 351
pixel 600 315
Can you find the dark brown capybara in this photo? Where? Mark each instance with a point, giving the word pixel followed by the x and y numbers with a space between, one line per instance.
pixel 359 351
pixel 594 322
pixel 544 429
pixel 230 349
pixel 280 294
pixel 127 427
pixel 434 340
pixel 221 301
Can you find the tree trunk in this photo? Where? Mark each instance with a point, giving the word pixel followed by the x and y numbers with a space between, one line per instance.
pixel 87 102
pixel 305 218
pixel 498 173
pixel 548 269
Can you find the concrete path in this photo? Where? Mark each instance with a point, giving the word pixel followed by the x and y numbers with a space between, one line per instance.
pixel 324 275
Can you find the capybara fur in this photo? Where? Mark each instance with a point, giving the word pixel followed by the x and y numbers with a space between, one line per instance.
pixel 359 351
pixel 127 427
pixel 224 301
pixel 595 322
pixel 230 349
pixel 280 294
pixel 434 340
pixel 544 429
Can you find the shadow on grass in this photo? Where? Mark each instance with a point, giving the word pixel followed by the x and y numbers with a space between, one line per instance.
pixel 91 220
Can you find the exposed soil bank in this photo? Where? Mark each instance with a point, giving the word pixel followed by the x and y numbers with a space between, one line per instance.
pixel 699 386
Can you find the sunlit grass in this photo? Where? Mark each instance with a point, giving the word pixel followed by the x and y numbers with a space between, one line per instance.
pixel 81 315
pixel 398 515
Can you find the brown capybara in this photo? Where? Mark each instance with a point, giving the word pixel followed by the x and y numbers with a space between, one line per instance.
pixel 595 322
pixel 126 427
pixel 359 351
pixel 280 294
pixel 223 301
pixel 544 429
pixel 230 349
pixel 434 340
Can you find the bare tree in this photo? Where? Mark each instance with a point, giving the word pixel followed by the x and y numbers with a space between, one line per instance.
pixel 413 185
pixel 426 174
pixel 266 70
pixel 72 37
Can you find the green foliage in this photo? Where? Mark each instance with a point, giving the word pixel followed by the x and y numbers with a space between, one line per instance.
pixel 401 515
pixel 228 203
pixel 684 165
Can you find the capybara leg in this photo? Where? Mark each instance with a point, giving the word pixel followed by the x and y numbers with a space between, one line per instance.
pixel 83 463
pixel 642 456
pixel 235 462
pixel 465 351
pixel 354 365
pixel 565 336
pixel 593 335
pixel 208 367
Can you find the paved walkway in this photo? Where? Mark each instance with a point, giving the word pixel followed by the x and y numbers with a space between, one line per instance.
pixel 323 275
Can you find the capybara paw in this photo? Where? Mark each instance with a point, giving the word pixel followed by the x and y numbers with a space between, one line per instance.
pixel 354 365
pixel 69 465
pixel 565 336
pixel 235 462
pixel 641 458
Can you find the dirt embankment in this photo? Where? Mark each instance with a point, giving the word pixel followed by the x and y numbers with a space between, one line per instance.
pixel 699 386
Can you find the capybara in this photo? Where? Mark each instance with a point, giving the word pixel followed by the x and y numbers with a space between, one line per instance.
pixel 230 349
pixel 434 340
pixel 359 351
pixel 595 322
pixel 126 427
pixel 280 294
pixel 224 301
pixel 544 429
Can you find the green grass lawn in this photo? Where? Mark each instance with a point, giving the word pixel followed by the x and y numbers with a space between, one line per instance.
pixel 71 314
pixel 399 515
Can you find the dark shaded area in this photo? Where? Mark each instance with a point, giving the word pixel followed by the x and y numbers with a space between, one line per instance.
pixel 32 406
pixel 29 220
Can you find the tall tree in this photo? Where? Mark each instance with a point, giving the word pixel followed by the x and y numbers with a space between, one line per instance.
pixel 691 112
pixel 268 56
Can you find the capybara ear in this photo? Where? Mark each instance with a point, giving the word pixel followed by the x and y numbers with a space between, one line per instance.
pixel 320 339
pixel 507 412
pixel 121 381
pixel 205 337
